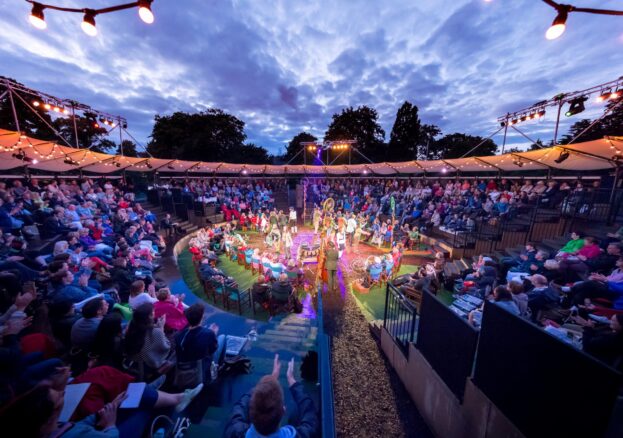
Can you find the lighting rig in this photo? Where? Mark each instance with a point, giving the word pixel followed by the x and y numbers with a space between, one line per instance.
pixel 576 101
pixel 339 146
pixel 37 17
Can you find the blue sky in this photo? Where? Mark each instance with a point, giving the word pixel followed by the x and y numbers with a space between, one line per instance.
pixel 284 66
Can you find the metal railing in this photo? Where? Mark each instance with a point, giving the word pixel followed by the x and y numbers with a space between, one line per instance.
pixel 400 318
pixel 325 376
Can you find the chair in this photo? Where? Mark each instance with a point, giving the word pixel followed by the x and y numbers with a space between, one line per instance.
pixel 248 258
pixel 256 265
pixel 386 274
pixel 219 289
pixel 208 289
pixel 240 298
pixel 375 274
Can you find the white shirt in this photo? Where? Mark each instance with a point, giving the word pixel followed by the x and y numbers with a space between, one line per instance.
pixel 141 299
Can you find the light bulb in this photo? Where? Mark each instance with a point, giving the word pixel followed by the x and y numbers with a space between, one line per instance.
pixel 144 11
pixel 558 25
pixel 36 17
pixel 88 25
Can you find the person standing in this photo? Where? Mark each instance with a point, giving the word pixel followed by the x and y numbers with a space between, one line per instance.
pixel 331 259
pixel 351 226
pixel 292 217
pixel 316 218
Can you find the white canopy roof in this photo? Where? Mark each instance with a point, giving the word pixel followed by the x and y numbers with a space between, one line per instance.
pixel 50 156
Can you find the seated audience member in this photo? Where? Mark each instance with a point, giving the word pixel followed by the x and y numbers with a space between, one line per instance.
pixel 520 297
pixel 84 330
pixel 145 341
pixel 601 286
pixel 541 297
pixel 502 297
pixel 573 246
pixel 258 413
pixel 281 290
pixel 172 308
pixel 107 346
pixel 199 343
pixel 138 295
pixel 527 255
pixel 606 342
pixel 66 290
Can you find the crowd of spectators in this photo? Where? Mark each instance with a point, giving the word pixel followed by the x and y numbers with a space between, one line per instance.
pixel 85 304
pixel 575 293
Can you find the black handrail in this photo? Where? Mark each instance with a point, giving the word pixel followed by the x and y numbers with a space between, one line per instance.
pixel 325 377
pixel 400 318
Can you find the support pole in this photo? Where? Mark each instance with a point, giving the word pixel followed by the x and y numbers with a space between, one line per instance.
pixel 505 131
pixel 557 121
pixel 14 110
pixel 73 116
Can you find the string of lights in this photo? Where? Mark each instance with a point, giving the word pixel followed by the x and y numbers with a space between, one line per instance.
pixel 559 24
pixel 37 17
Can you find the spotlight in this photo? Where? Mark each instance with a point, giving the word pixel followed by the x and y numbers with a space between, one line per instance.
pixel 57 109
pixel 616 94
pixel 562 157
pixel 65 111
pixel 70 161
pixel 96 125
pixel 540 114
pixel 124 125
pixel 444 170
pixel 514 122
pixel 576 106
pixel 171 167
pixel 518 163
pixel 36 17
pixel 117 164
pixel 558 25
pixel 88 23
pixel 148 164
pixel 22 156
pixel 47 106
pixel 144 11
pixel 502 124
pixel 605 95
pixel 35 103
pixel 523 118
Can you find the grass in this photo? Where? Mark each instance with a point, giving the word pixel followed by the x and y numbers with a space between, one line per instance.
pixel 372 304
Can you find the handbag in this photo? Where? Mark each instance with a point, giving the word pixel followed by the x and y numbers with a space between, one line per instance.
pixel 188 374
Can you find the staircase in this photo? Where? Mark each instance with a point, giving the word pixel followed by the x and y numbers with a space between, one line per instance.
pixel 290 336
pixel 160 214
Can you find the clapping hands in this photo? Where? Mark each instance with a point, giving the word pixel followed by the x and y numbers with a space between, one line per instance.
pixel 289 372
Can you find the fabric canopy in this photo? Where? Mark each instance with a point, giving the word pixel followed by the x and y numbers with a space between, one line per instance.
pixel 49 156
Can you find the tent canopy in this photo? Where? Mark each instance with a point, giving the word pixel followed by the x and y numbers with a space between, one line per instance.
pixel 50 156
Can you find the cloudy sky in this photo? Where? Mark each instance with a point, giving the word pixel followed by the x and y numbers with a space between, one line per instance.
pixel 284 66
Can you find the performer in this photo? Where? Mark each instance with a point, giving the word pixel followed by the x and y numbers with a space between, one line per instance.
pixel 331 258
pixel 351 226
pixel 316 218
pixel 340 238
pixel 292 216
pixel 287 243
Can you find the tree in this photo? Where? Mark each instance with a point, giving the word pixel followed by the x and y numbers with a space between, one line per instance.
pixel 361 125
pixel 429 133
pixel 294 147
pixel 212 135
pixel 90 135
pixel 456 145
pixel 406 135
pixel 538 144
pixel 128 148
pixel 251 154
pixel 591 134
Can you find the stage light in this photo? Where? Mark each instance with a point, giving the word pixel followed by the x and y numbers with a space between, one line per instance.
pixel 88 24
pixel 558 25
pixel 518 163
pixel 113 124
pixel 36 17
pixel 57 109
pixel 523 118
pixel 616 94
pixel 65 111
pixel 562 157
pixel 244 172
pixel 514 122
pixel 35 103
pixel 95 125
pixel 171 167
pixel 35 161
pixel 540 114
pixel 124 125
pixel 70 161
pixel 576 106
pixel 148 164
pixel 444 170
pixel 144 11
pixel 47 106
pixel 605 95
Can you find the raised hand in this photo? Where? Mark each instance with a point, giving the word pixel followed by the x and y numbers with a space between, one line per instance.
pixel 290 373
pixel 276 367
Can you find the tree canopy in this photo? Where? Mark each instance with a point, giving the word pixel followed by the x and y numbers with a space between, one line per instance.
pixel 294 148
pixel 410 137
pixel 458 145
pixel 211 135
pixel 361 125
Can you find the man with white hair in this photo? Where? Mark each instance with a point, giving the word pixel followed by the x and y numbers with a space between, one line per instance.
pixel 542 297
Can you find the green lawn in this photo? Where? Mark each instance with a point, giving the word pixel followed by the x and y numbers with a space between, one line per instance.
pixel 372 304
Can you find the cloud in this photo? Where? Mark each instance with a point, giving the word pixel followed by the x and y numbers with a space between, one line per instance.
pixel 284 66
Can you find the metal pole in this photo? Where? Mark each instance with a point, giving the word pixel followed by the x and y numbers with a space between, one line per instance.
pixel 120 138
pixel 505 131
pixel 13 108
pixel 73 116
pixel 614 186
pixel 557 121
